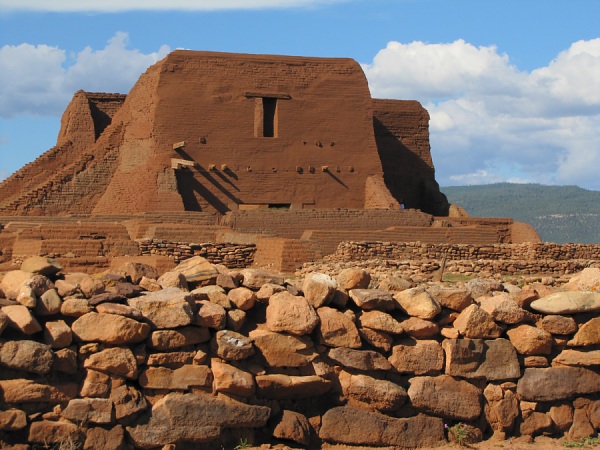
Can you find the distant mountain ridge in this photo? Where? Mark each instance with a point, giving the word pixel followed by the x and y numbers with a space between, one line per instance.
pixel 559 214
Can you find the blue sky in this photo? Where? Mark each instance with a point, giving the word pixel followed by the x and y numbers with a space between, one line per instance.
pixel 512 87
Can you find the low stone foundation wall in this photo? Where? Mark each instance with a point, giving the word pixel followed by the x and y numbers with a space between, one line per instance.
pixel 530 258
pixel 231 255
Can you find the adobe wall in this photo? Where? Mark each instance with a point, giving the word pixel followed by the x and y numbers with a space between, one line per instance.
pixel 190 136
pixel 293 223
pixel 209 100
pixel 402 134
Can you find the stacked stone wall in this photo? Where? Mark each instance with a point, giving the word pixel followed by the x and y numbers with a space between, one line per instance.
pixel 531 258
pixel 202 358
pixel 230 255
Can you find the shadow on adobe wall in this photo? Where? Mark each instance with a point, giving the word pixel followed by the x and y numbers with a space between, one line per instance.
pixel 407 176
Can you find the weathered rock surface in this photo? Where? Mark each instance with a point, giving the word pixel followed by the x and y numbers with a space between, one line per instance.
pixel 318 289
pixel 380 321
pixel 476 323
pixel 168 308
pixel 446 397
pixel 183 378
pixel 114 361
pixel 232 346
pixel 418 357
pixel 29 356
pixel 198 271
pixel 291 314
pixel 335 329
pixel 568 302
pixel 353 278
pixel 381 394
pixel 530 340
pixel 280 386
pixel 373 299
pixel 110 329
pixel 194 418
pixel 347 425
pixel 477 358
pixel 293 426
pixel 283 350
pixel 588 334
pixel 557 383
pixel 417 302
pixel 359 359
pixel 28 391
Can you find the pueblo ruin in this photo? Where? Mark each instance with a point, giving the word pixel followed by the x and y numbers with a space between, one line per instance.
pixel 280 157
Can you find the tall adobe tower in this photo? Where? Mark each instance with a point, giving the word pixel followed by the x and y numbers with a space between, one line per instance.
pixel 215 132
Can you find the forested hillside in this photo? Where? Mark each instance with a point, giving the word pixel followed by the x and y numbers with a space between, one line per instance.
pixel 559 213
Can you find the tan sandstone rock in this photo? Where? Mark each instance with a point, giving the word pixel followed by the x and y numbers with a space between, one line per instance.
pixel 350 426
pixel 283 350
pixel 419 357
pixel 417 302
pixel 445 396
pixel 318 289
pixel 336 329
pixel 291 314
pixel 110 329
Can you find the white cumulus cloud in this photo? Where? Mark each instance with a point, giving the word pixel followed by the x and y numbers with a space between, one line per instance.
pixel 492 122
pixel 40 80
pixel 147 5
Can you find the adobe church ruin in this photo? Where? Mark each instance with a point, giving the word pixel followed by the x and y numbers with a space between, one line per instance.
pixel 215 132
pixel 237 138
